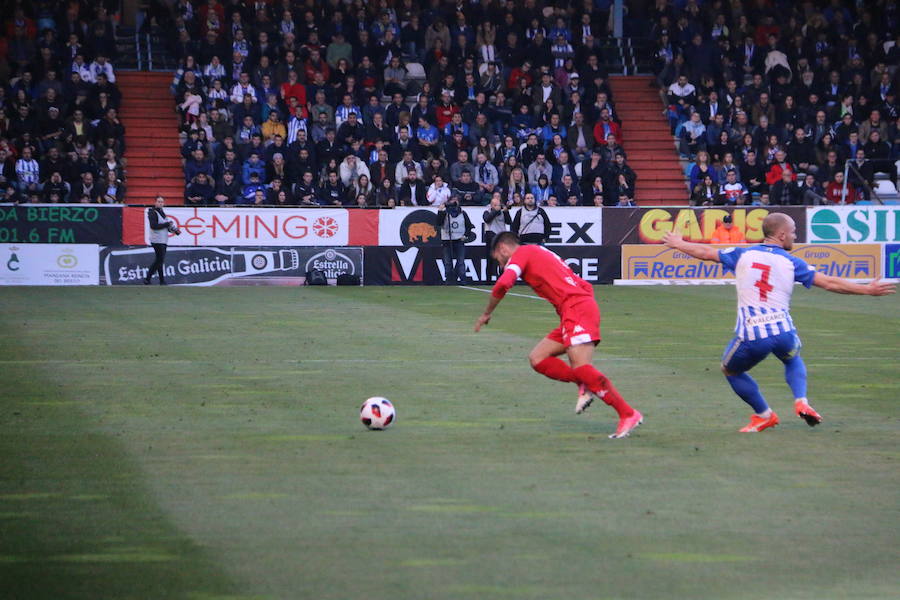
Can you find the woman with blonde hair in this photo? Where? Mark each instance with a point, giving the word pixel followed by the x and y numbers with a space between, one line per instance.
pixel 517 184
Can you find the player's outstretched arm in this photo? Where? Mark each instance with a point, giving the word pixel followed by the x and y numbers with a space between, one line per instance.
pixel 876 287
pixel 485 317
pixel 701 251
pixel 506 281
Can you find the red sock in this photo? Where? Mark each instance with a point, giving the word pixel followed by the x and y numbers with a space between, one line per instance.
pixel 555 368
pixel 598 383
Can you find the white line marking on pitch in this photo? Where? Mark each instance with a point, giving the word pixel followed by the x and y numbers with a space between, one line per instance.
pixel 475 289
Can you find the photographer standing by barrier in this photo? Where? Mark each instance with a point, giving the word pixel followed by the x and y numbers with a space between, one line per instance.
pixel 532 224
pixel 456 229
pixel 496 221
pixel 160 227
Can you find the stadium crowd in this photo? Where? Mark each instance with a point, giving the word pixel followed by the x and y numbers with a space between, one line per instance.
pixel 60 136
pixel 381 103
pixel 397 103
pixel 768 100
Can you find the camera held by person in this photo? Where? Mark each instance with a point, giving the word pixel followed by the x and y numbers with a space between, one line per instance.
pixel 456 229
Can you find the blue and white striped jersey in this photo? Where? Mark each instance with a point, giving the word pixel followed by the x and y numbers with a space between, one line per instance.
pixel 765 277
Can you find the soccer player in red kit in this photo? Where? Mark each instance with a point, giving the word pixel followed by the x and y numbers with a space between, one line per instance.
pixel 579 329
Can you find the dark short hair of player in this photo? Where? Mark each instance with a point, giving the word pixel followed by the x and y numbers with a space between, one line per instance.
pixel 507 237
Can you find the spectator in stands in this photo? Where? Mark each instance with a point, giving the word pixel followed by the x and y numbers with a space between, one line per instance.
pixel 272 127
pixel 28 173
pixel 693 138
pixel 332 191
pixel 681 98
pixel 802 153
pixel 733 191
pixel 746 70
pixel 706 192
pixel 362 187
pixel 305 190
pixel 84 187
pixel 605 128
pixel 227 190
pixel 466 190
pixel 413 192
pixel 567 192
pixel 879 154
pixel 56 190
pixel 199 191
pixel 785 191
pixel 111 189
pixel 197 163
pixel 386 194
pixel 253 166
pixel 835 192
pixel 539 167
pixel 778 167
pixel 812 193
pixel 351 168
pixel 438 193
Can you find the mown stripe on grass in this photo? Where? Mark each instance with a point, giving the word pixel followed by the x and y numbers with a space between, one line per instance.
pixel 431 562
pixel 694 557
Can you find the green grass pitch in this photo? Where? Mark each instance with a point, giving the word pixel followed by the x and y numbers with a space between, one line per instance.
pixel 205 444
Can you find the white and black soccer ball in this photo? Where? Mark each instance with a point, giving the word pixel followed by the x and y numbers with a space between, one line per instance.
pixel 377 413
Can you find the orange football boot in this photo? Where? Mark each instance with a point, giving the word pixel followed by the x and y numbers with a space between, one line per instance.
pixel 758 423
pixel 807 413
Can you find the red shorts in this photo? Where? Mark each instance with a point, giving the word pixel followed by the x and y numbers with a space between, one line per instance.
pixel 579 323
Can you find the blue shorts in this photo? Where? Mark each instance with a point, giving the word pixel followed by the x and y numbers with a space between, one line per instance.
pixel 743 355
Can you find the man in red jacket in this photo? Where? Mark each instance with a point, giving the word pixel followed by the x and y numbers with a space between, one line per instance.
pixel 605 127
pixel 773 175
pixel 444 111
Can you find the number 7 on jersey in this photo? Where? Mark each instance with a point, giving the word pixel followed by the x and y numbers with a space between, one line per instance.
pixel 763 282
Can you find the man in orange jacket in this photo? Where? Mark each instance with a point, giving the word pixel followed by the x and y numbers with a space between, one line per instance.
pixel 727 233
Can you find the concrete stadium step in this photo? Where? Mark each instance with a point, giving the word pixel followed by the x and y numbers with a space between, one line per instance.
pixel 648 142
pixel 140 131
pixel 648 123
pixel 143 78
pixel 649 173
pixel 644 96
pixel 154 159
pixel 636 103
pixel 662 201
pixel 650 183
pixel 158 107
pixel 660 168
pixel 164 161
pixel 151 120
pixel 168 188
pixel 151 189
pixel 155 172
pixel 153 96
pixel 149 197
pixel 640 144
pixel 151 155
pixel 149 142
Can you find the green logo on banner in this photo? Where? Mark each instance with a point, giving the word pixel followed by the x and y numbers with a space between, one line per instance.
pixel 892 264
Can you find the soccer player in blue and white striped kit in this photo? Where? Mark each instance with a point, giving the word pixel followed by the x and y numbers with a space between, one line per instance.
pixel 764 277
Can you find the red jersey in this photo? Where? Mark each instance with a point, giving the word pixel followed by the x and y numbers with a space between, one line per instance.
pixel 547 274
